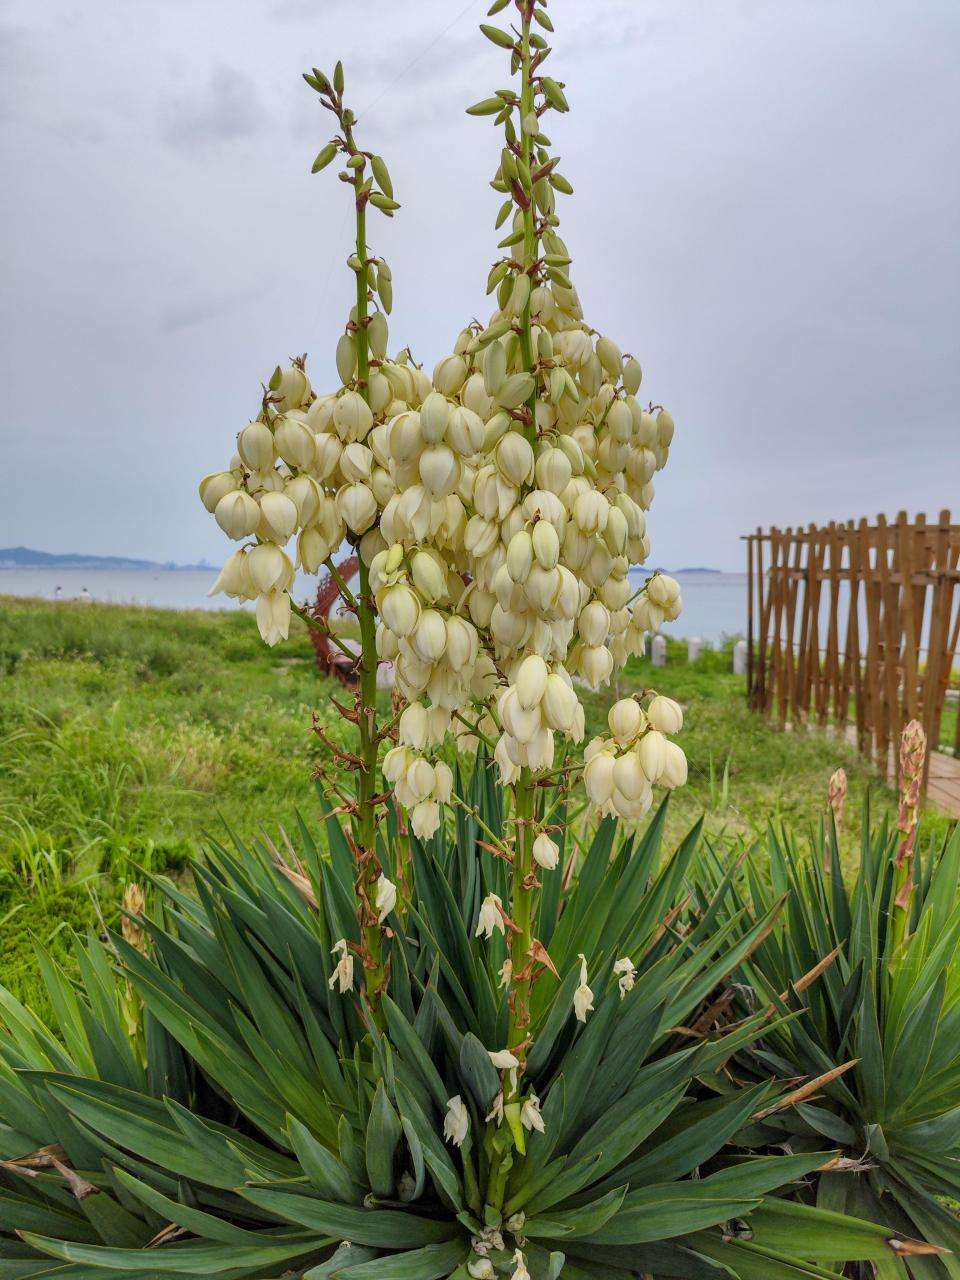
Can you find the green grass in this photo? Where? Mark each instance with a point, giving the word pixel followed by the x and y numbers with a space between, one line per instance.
pixel 744 771
pixel 127 733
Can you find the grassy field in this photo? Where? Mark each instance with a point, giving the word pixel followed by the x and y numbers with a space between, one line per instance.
pixel 127 733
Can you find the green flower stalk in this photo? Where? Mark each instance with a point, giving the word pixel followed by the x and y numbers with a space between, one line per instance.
pixel 311 465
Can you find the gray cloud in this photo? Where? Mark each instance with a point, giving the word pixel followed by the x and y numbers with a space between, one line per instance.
pixel 226 109
pixel 766 207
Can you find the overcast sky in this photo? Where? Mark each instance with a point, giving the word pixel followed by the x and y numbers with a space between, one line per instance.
pixel 767 212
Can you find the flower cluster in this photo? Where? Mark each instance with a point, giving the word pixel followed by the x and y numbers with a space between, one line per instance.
pixel 621 771
pixel 519 510
pixel 310 467
pixel 420 785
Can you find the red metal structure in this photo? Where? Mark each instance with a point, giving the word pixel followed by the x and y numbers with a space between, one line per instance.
pixel 330 660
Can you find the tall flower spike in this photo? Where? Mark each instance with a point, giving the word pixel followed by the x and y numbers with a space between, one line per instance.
pixel 315 467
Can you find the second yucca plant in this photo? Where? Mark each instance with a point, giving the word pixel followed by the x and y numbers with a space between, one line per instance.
pixel 866 980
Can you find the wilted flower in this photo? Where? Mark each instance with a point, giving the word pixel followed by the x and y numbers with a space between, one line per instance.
pixel 628 975
pixel 583 996
pixel 456 1122
pixel 520 1271
pixel 503 1059
pixel 491 917
pixel 530 1116
pixel 386 897
pixel 342 976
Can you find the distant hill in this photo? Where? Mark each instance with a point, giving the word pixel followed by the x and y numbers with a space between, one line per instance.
pixel 697 569
pixel 27 558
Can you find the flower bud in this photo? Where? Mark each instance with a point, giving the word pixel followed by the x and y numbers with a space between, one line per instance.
pixel 531 681
pixel 270 570
pixel 434 416
pixel 425 819
pixel 596 665
pixel 449 375
pixel 237 514
pixel 625 719
pixel 312 550
pixel 439 470
pixel 294 389
pixel 357 507
pixel 520 556
pixel 665 429
pixel 294 441
pixel 462 643
pixel 255 446
pixel 428 577
pixel 304 492
pixel 234 578
pixel 520 722
pixel 514 458
pixel 546 544
pixel 628 776
pixel 273 617
pixel 559 703
pixel 663 590
pixel 494 367
pixel 665 714
pixel 620 421
pixel 352 417
pixel 412 726
pixel 465 431
pixel 632 376
pixel 598 777
pixel 594 623
pixel 609 356
pixel 356 463
pixel 216 486
pixel 553 470
pixel 515 390
pixel 674 772
pixel 545 852
pixel 429 636
pixel 652 752
pixel 400 610
pixel 420 778
pixel 590 512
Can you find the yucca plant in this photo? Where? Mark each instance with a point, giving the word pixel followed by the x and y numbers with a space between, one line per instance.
pixel 437 1044
pixel 261 1112
pixel 865 979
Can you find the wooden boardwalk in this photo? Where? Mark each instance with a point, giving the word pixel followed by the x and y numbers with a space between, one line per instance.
pixel 943 783
pixel 943 778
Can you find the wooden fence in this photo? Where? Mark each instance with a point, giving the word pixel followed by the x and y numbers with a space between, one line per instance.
pixel 855 623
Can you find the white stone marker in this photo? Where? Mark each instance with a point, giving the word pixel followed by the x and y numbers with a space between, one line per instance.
pixel 658 651
pixel 694 648
pixel 740 658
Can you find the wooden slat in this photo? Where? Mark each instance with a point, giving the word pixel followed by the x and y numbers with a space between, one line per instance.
pixel 899 628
